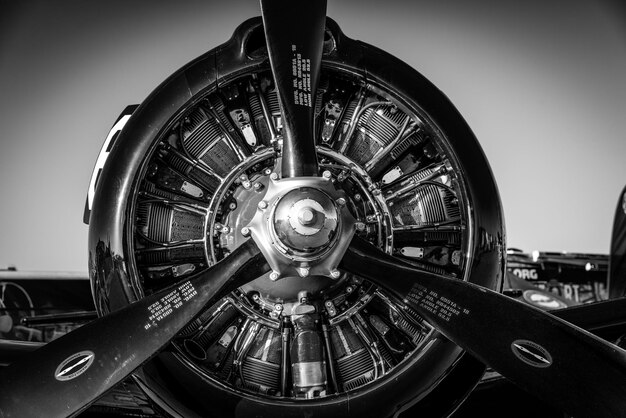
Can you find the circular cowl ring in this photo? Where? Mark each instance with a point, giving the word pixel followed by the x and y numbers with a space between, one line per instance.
pixel 449 220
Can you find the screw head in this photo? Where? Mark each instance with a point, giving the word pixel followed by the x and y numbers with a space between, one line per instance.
pixel 341 201
pixel 246 184
pixel 245 231
pixel 360 226
pixel 335 274
pixel 274 176
pixel 327 174
pixel 262 204
pixel 274 276
pixel 306 216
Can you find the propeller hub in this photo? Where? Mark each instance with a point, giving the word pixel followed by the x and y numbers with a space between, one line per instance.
pixel 305 220
pixel 306 216
pixel 303 227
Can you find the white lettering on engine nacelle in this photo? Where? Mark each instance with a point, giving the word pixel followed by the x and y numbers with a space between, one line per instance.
pixel 102 158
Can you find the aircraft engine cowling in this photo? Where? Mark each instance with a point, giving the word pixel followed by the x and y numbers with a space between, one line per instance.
pixel 187 173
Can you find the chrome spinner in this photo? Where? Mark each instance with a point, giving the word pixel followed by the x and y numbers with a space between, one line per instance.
pixel 302 226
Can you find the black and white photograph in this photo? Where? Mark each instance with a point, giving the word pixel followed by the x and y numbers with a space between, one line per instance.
pixel 312 208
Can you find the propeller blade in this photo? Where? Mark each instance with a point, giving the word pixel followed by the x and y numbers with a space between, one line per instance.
pixel 66 375
pixel 548 357
pixel 294 32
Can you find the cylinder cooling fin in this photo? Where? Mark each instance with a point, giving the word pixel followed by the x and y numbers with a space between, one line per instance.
pixel 311 340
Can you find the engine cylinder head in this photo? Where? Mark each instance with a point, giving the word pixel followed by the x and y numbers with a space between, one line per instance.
pixel 307 357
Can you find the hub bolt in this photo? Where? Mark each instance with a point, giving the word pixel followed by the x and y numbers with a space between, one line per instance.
pixel 306 216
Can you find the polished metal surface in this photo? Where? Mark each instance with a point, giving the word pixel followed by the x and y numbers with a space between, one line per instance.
pixel 302 226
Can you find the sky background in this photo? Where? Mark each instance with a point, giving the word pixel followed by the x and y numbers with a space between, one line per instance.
pixel 541 83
